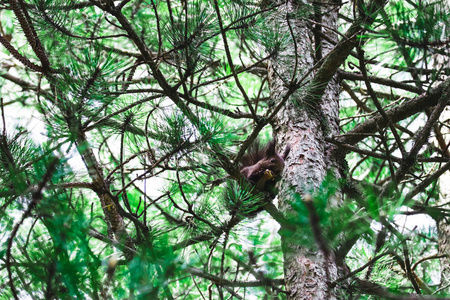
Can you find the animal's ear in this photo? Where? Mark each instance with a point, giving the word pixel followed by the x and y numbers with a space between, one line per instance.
pixel 286 151
pixel 270 149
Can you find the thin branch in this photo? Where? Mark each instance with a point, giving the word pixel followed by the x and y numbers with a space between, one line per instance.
pixel 230 61
pixel 429 180
pixel 407 264
pixel 377 103
pixel 382 156
pixel 378 80
pixel 356 271
pixel 338 55
pixel 218 280
pixel 403 111
pixel 36 197
pixel 423 134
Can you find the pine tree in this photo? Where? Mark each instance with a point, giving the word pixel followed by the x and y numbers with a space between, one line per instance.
pixel 126 126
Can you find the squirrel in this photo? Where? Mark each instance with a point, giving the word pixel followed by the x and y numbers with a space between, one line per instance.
pixel 263 166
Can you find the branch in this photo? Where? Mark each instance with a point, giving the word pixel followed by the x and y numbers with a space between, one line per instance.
pixel 383 156
pixel 122 247
pixel 370 288
pixel 36 197
pixel 423 135
pixel 18 6
pixel 339 54
pixel 19 56
pixel 384 81
pixel 230 61
pixel 356 271
pixel 218 280
pixel 430 179
pixel 407 263
pixel 403 111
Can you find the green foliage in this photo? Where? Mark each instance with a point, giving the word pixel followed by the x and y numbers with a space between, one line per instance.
pixel 421 21
pixel 129 186
pixel 241 199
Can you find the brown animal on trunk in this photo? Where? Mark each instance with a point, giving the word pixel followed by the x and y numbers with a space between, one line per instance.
pixel 263 166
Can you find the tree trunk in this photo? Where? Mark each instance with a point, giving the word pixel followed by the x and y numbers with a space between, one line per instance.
pixel 304 125
pixel 443 225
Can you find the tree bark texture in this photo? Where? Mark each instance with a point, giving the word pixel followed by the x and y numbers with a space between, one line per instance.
pixel 304 125
pixel 443 225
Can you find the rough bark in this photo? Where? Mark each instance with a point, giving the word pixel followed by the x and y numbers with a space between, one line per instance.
pixel 444 240
pixel 444 224
pixel 307 271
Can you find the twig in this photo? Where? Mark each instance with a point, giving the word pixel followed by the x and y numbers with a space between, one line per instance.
pixel 36 197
